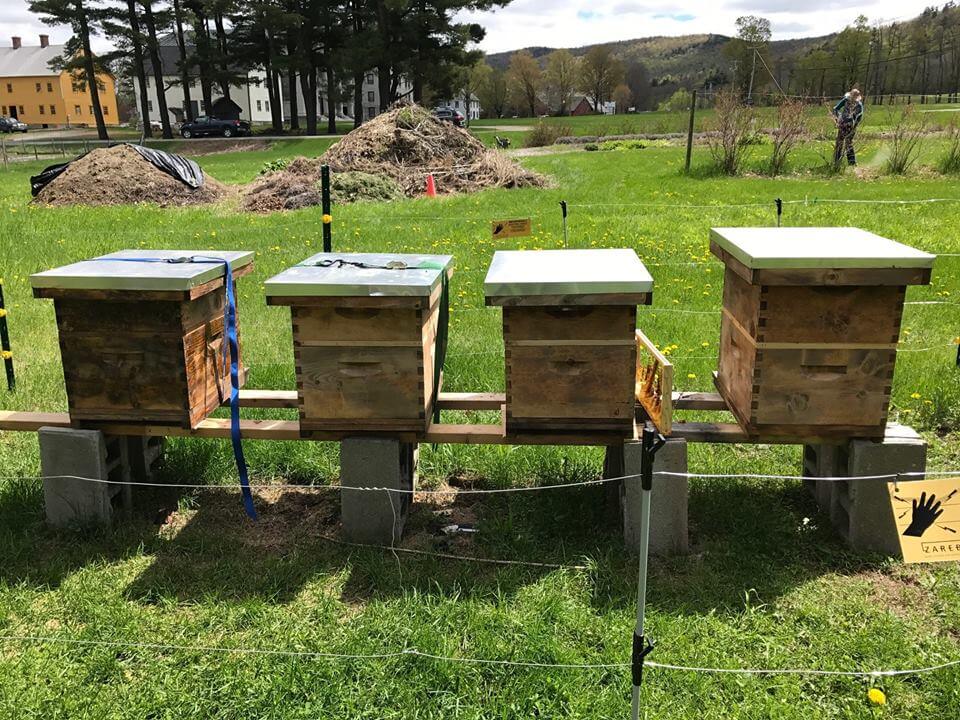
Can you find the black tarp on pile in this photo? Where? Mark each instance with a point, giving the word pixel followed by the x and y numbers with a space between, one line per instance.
pixel 177 166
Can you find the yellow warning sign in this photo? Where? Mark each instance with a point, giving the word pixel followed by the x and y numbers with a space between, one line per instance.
pixel 927 514
pixel 511 228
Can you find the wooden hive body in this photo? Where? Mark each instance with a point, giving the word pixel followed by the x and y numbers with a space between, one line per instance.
pixel 569 324
pixel 808 352
pixel 364 363
pixel 143 356
pixel 570 367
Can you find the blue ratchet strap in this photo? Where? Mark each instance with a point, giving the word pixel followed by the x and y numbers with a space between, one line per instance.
pixel 230 328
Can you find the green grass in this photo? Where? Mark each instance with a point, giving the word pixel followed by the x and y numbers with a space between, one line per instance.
pixel 763 587
pixel 878 119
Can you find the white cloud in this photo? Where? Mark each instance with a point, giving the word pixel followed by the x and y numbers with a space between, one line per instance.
pixel 571 23
pixel 523 23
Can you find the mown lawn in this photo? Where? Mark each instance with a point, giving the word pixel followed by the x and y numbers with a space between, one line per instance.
pixel 768 583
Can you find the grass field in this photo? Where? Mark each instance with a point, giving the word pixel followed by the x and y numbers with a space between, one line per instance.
pixel 768 583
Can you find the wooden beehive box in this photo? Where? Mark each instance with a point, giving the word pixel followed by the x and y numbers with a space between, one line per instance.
pixel 364 339
pixel 811 322
pixel 143 342
pixel 569 321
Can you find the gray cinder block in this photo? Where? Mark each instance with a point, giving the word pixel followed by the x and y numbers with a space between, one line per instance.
pixel 66 456
pixel 668 503
pixel 370 516
pixel 871 523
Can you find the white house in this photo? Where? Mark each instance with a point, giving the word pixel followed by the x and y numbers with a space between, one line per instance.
pixel 459 104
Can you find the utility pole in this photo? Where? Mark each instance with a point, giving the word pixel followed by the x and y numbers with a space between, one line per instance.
pixel 753 69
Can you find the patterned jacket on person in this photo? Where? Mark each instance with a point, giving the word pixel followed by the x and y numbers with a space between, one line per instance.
pixel 848 112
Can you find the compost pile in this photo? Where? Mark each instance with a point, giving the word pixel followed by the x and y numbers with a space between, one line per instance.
pixel 119 175
pixel 402 146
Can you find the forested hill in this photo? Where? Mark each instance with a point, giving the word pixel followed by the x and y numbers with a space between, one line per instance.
pixel 697 58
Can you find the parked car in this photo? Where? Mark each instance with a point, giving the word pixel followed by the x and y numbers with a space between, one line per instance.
pixel 205 126
pixel 10 125
pixel 448 114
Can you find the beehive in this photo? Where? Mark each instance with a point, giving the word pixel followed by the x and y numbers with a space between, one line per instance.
pixel 364 333
pixel 143 342
pixel 569 322
pixel 811 322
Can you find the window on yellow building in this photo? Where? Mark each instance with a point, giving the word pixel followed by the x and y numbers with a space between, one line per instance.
pixel 91 109
pixel 21 109
pixel 106 110
pixel 100 86
pixel 3 110
pixel 38 87
pixel 41 109
pixel 53 109
pixel 9 87
pixel 76 109
pixel 49 87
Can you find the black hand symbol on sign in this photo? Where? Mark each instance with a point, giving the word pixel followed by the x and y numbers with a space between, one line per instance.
pixel 925 513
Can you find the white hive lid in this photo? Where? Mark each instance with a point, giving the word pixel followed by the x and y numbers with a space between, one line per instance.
pixel 361 275
pixel 515 273
pixel 803 248
pixel 109 272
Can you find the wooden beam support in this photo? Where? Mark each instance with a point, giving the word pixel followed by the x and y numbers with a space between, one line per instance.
pixel 446 401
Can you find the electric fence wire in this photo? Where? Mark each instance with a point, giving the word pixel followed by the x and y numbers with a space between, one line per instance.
pixel 466 660
pixel 905 477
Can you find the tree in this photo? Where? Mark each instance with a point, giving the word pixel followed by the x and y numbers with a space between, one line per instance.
pixel 600 73
pixel 637 78
pixel 85 18
pixel 749 51
pixel 678 102
pixel 560 79
pixel 183 64
pixel 123 27
pixel 491 87
pixel 852 47
pixel 524 79
pixel 622 96
pixel 151 22
pixel 203 51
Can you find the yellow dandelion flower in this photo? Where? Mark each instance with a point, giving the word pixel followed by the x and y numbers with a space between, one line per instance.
pixel 876 696
pixel 916 395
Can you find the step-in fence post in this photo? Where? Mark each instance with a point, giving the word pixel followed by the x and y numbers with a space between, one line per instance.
pixel 651 441
pixel 563 211
pixel 693 113
pixel 325 200
pixel 5 350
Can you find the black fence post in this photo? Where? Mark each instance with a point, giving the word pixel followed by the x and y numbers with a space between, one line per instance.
pixel 5 350
pixel 693 113
pixel 325 199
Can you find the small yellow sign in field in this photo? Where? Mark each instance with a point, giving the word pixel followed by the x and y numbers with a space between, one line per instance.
pixel 927 515
pixel 511 228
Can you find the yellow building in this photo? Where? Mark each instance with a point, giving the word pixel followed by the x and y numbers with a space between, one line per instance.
pixel 33 93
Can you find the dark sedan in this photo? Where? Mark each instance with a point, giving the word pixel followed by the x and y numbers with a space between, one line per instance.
pixel 205 126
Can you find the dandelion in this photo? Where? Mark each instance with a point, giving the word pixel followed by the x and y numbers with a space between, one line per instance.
pixel 916 395
pixel 691 376
pixel 876 696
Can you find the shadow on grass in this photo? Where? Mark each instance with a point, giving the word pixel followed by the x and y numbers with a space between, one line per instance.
pixel 745 537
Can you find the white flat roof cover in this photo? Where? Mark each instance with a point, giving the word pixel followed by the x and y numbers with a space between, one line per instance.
pixel 816 247
pixel 390 275
pixel 566 272
pixel 107 273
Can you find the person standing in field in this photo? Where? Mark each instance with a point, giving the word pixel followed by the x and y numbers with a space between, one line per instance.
pixel 847 114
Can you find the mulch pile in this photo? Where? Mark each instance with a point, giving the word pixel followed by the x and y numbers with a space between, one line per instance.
pixel 119 175
pixel 403 145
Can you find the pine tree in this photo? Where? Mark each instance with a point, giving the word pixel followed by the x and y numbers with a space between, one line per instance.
pixel 85 18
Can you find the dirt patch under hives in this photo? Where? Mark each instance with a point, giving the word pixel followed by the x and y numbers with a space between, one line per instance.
pixel 404 145
pixel 119 175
